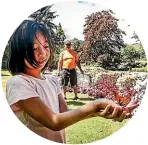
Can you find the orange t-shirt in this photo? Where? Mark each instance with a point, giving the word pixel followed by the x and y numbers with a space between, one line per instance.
pixel 68 59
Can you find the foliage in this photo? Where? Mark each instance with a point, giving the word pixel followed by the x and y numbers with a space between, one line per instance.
pixel 135 36
pixel 45 16
pixel 140 64
pixel 111 62
pixel 102 36
pixel 60 33
pixel 76 44
pixel 131 55
pixel 143 69
pixel 138 42
pixel 5 58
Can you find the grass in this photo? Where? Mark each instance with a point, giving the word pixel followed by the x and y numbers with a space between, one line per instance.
pixel 143 69
pixel 85 131
pixel 90 130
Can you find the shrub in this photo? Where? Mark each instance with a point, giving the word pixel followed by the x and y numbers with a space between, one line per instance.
pixel 143 69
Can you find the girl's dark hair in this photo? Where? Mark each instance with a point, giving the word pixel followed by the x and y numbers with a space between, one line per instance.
pixel 21 46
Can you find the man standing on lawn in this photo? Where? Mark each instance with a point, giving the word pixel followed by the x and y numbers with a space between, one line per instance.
pixel 68 61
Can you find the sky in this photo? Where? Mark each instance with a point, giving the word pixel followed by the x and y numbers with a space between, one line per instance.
pixel 72 17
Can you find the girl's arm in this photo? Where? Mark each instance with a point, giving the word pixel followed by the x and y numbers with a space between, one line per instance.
pixel 63 107
pixel 37 109
pixel 58 121
pixel 62 104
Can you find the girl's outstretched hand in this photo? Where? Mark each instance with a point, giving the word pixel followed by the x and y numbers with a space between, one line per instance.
pixel 110 110
pixel 130 108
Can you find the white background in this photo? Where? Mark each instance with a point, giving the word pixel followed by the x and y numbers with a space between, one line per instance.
pixel 12 13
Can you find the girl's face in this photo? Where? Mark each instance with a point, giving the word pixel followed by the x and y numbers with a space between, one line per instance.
pixel 41 51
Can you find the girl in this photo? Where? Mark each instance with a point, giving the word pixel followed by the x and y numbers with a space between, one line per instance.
pixel 36 99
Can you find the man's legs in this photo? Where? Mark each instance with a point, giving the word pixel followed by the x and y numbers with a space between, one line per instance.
pixel 73 82
pixel 65 90
pixel 75 92
pixel 65 80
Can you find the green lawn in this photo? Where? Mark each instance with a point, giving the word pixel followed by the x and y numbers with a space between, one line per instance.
pixel 85 131
pixel 92 129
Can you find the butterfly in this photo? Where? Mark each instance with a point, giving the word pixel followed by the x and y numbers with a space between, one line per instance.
pixel 122 100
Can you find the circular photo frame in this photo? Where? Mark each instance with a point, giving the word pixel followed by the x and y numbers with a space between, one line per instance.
pixel 64 59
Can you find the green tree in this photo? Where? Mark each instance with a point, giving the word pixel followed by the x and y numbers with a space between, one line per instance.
pixel 139 45
pixel 76 44
pixel 45 16
pixel 5 58
pixel 60 33
pixel 129 55
pixel 135 36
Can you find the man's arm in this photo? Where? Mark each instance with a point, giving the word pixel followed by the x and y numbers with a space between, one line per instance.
pixel 59 66
pixel 60 62
pixel 78 63
pixel 79 66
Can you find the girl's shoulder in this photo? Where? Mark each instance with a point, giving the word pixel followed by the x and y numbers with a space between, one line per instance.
pixel 19 80
pixel 24 79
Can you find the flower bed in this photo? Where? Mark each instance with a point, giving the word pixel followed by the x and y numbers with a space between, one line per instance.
pixel 122 87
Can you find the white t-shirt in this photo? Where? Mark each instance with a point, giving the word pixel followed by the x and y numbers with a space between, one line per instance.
pixel 21 87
